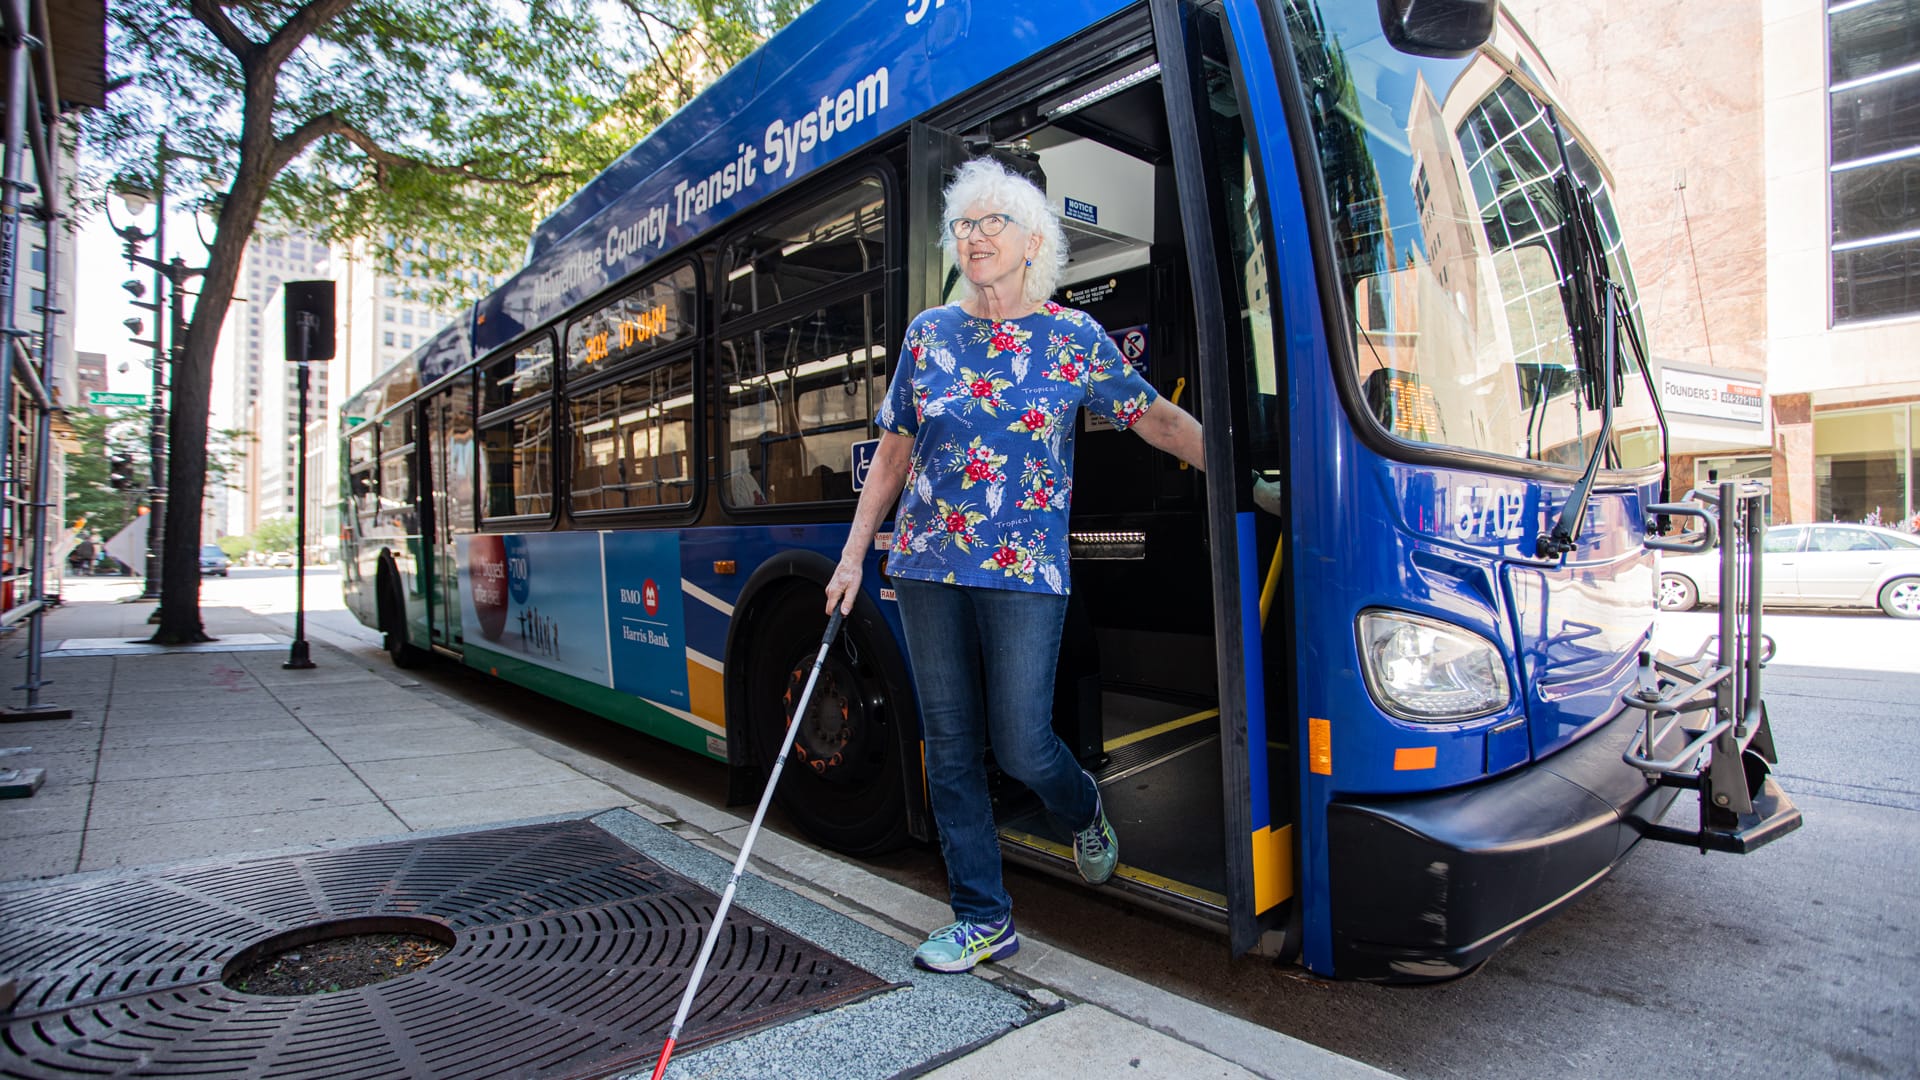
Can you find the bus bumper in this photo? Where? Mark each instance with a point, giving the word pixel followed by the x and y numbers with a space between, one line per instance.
pixel 1428 887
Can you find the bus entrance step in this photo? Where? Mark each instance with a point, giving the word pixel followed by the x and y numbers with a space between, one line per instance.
pixel 1774 816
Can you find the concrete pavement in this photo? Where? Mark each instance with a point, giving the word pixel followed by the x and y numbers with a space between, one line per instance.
pixel 213 753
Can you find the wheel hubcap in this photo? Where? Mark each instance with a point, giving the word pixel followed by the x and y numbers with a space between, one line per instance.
pixel 1671 593
pixel 1905 598
pixel 832 731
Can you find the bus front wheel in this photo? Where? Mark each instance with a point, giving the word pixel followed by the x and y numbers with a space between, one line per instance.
pixel 842 784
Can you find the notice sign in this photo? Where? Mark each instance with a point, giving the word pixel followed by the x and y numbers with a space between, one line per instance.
pixel 1720 396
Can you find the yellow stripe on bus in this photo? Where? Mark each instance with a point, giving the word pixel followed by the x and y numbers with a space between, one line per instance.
pixel 1131 873
pixel 706 693
pixel 1158 729
pixel 1272 866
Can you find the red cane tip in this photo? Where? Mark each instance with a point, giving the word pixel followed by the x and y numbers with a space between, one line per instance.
pixel 660 1067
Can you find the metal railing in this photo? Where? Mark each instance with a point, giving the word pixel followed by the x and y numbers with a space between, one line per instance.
pixel 1713 698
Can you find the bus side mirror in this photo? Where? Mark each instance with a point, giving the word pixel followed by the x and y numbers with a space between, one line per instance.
pixel 1442 28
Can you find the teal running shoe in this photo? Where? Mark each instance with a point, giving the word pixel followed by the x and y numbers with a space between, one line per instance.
pixel 1095 849
pixel 959 946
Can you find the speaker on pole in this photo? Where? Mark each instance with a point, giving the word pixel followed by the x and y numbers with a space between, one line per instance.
pixel 309 339
pixel 309 305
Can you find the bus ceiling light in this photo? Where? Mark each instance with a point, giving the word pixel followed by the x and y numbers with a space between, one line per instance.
pixel 1429 671
pixel 1102 93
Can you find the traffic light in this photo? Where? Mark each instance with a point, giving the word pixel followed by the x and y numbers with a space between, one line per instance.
pixel 120 471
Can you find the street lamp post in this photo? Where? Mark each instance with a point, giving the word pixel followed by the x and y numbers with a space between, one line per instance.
pixel 167 348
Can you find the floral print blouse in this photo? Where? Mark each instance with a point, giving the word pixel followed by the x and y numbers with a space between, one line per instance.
pixel 992 407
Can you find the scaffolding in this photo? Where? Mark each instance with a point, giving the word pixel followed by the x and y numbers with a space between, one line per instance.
pixel 30 184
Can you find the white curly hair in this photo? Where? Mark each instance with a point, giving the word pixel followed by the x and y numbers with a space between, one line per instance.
pixel 986 182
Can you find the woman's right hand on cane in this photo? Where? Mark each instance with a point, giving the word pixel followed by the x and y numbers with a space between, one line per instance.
pixel 844 585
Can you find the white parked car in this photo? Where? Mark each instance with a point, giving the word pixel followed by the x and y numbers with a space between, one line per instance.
pixel 1827 565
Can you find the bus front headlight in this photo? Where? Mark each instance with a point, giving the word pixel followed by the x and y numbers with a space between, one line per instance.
pixel 1429 671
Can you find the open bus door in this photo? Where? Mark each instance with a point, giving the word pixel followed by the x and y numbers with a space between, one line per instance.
pixel 1258 843
pixel 1167 707
pixel 449 464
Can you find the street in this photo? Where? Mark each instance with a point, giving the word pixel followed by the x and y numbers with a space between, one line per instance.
pixel 1798 960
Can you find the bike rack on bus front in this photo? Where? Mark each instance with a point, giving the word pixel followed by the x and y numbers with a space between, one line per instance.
pixel 1728 758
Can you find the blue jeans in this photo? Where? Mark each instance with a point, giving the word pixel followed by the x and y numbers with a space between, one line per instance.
pixel 983 662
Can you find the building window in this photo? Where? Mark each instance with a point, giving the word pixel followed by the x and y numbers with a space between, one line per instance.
pixel 1873 91
pixel 40 259
pixel 387 315
pixel 387 337
pixel 36 299
pixel 1864 463
pixel 406 341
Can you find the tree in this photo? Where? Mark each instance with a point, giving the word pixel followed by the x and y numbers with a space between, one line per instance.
pixel 122 433
pixel 275 534
pixel 90 494
pixel 458 122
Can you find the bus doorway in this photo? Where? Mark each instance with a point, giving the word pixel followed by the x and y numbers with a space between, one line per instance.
pixel 450 462
pixel 1203 832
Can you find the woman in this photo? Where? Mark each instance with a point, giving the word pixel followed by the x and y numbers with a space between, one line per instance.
pixel 977 445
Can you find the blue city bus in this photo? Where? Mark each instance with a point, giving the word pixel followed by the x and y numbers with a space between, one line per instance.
pixel 1380 726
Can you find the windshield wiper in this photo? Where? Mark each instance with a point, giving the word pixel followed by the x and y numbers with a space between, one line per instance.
pixel 1585 290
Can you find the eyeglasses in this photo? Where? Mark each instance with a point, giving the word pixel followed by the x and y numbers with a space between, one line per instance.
pixel 988 224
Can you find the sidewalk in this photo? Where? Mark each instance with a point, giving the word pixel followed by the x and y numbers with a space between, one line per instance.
pixel 207 755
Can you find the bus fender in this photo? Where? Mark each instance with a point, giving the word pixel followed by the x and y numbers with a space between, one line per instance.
pixel 778 573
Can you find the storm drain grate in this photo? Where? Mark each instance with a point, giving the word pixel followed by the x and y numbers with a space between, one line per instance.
pixel 570 954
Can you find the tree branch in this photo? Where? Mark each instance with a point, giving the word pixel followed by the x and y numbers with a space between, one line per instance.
pixel 295 142
pixel 302 24
pixel 213 18
pixel 643 15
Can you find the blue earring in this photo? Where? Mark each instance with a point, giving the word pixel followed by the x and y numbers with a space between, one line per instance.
pixel 1029 262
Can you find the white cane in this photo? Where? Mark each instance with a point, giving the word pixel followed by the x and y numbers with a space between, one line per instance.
pixel 740 861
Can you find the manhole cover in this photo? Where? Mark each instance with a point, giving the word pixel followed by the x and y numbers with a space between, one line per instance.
pixel 570 952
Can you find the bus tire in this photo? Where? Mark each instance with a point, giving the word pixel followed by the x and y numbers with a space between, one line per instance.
pixel 842 784
pixel 393 624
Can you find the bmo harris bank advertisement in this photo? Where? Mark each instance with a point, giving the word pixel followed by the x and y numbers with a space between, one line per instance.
pixel 602 607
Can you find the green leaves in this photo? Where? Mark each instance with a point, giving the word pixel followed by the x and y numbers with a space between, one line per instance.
pixel 463 121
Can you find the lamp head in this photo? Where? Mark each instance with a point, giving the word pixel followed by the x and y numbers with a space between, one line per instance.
pixel 134 324
pixel 134 286
pixel 135 196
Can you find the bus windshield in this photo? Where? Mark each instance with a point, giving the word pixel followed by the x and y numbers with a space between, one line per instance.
pixel 1440 180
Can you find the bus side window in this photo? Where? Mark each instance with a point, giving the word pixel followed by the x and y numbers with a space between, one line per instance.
pixel 633 440
pixel 517 457
pixel 396 481
pixel 799 395
pixel 516 431
pixel 802 357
